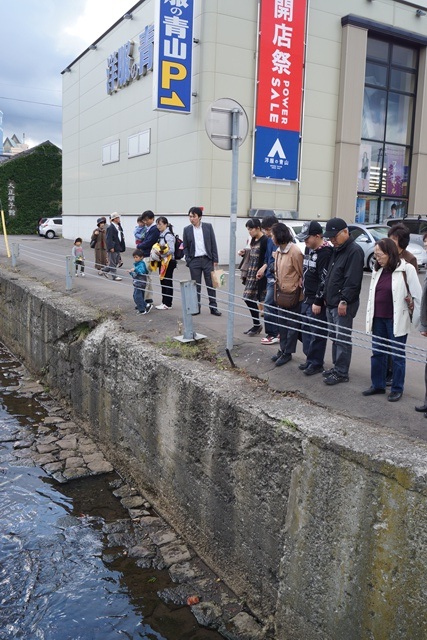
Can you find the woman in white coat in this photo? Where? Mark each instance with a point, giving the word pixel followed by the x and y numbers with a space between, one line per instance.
pixel 388 317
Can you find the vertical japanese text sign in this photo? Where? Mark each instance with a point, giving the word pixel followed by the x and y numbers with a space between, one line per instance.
pixel 279 88
pixel 173 55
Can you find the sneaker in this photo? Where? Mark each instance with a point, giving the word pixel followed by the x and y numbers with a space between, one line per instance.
pixel 303 366
pixel 335 378
pixel 328 372
pixel 270 340
pixel 117 278
pixel 77 275
pixel 147 309
pixel 311 371
pixel 162 307
pixel 284 359
pixel 83 275
pixel 277 356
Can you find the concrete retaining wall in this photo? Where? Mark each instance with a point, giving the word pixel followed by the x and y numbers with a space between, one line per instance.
pixel 319 522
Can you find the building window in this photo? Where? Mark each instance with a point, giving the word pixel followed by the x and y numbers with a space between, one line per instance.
pixel 387 130
pixel 139 144
pixel 111 152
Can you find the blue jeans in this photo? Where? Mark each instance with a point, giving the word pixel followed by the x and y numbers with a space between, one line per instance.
pixel 139 298
pixel 340 333
pixel 382 331
pixel 270 311
pixel 313 342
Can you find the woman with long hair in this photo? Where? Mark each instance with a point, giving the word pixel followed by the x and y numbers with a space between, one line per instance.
pixel 394 289
pixel 255 288
pixel 166 242
pixel 288 271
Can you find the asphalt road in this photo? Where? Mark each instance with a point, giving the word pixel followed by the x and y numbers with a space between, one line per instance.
pixel 44 260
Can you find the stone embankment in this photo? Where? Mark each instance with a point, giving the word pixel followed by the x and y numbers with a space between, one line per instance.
pixel 316 520
pixel 60 447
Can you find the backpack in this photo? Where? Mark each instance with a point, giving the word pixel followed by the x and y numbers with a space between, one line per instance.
pixel 179 248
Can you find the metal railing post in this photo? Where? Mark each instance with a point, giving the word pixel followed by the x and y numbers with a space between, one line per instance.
pixel 190 306
pixel 69 272
pixel 15 254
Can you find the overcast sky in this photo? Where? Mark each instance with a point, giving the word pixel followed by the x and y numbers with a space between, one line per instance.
pixel 39 39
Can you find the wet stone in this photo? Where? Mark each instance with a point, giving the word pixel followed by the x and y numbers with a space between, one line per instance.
pixel 74 473
pixel 64 454
pixel 149 521
pixel 53 420
pixel 47 439
pixel 173 553
pixel 92 457
pixel 141 551
pixel 138 513
pixel 23 453
pixel 100 467
pixel 74 462
pixel 23 444
pixel 133 502
pixel 207 614
pixel 46 448
pixel 125 491
pixel 87 449
pixel 178 595
pixel 59 477
pixel 43 459
pixel 184 572
pixel 160 538
pixel 116 527
pixel 244 627
pixel 53 467
pixel 68 442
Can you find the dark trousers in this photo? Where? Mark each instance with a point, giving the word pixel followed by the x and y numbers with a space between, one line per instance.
pixel 314 334
pixel 289 326
pixel 199 266
pixel 254 311
pixel 270 311
pixel 382 332
pixel 167 284
pixel 339 330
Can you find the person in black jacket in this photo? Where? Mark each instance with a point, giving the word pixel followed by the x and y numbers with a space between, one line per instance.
pixel 342 296
pixel 201 254
pixel 152 235
pixel 315 267
pixel 115 242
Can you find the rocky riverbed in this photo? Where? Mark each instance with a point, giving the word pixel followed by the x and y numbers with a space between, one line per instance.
pixel 62 449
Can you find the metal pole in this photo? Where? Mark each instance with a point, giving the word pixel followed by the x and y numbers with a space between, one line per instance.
pixel 233 224
pixel 15 254
pixel 69 272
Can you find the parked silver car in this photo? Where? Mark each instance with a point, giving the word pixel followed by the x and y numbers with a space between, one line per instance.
pixel 51 227
pixel 366 235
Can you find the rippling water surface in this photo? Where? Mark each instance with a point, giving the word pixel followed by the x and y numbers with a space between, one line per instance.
pixel 58 581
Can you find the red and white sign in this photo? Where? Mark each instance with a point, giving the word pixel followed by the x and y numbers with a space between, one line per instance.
pixel 281 59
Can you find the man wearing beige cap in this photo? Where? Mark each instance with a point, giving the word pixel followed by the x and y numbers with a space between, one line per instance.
pixel 115 245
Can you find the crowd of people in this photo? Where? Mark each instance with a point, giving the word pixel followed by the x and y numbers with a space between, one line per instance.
pixel 310 297
pixel 155 247
pixel 315 296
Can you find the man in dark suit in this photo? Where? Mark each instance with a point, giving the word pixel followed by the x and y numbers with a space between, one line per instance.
pixel 201 254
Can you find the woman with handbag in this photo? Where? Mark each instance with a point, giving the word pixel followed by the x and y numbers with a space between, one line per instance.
pixel 98 243
pixel 288 291
pixel 255 288
pixel 393 303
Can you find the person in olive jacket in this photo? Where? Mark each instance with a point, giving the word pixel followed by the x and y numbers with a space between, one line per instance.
pixel 342 296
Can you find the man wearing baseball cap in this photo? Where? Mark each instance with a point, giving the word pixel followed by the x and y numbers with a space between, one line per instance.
pixel 115 245
pixel 342 296
pixel 315 267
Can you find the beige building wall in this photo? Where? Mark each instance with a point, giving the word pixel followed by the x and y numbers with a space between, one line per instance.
pixel 183 167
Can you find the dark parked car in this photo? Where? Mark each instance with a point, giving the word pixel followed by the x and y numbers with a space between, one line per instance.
pixel 417 227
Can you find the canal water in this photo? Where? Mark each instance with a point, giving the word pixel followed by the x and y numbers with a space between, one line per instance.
pixel 58 578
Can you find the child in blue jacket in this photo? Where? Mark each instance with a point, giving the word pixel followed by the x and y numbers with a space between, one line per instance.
pixel 139 275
